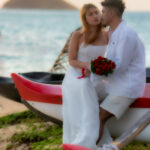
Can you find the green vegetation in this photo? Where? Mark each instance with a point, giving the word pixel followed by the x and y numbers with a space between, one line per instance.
pixel 40 135
pixel 36 135
pixel 137 146
pixel 46 137
pixel 16 118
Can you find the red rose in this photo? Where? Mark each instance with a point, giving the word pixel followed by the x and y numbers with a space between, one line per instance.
pixel 102 66
pixel 113 65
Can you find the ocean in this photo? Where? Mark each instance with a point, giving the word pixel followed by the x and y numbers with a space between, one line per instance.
pixel 31 40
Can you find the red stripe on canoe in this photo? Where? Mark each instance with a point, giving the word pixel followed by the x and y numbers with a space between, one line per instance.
pixel 38 92
pixel 144 100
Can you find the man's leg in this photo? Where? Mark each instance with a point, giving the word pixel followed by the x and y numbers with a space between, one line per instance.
pixel 112 106
pixel 103 117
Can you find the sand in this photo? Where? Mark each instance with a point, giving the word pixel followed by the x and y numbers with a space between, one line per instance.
pixel 8 107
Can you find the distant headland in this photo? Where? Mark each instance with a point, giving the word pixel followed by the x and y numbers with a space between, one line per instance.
pixel 37 4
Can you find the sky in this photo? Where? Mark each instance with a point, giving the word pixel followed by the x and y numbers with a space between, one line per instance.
pixel 132 5
pixel 2 2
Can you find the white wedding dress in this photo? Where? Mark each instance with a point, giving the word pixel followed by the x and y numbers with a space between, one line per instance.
pixel 80 102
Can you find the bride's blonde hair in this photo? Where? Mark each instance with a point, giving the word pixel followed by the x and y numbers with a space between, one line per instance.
pixel 89 38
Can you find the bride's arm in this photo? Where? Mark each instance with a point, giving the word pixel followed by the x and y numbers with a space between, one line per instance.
pixel 73 52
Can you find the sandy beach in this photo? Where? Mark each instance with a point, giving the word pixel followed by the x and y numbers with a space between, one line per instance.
pixel 8 106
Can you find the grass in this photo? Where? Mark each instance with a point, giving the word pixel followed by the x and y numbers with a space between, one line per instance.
pixel 39 135
pixel 16 118
pixel 137 146
pixel 47 137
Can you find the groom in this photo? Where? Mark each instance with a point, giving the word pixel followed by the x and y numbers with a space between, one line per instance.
pixel 127 51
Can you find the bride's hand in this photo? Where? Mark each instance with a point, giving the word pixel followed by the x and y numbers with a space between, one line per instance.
pixel 87 66
pixel 87 69
pixel 87 72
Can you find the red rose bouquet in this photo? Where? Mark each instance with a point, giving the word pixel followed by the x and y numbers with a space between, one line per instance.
pixel 102 66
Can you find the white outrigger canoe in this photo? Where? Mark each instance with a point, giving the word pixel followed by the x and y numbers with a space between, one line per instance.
pixel 46 100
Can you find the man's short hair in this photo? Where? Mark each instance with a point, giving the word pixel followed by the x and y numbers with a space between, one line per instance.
pixel 119 5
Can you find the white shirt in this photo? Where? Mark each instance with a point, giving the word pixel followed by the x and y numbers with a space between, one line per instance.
pixel 127 51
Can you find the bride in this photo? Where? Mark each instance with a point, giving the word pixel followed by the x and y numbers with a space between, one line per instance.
pixel 81 97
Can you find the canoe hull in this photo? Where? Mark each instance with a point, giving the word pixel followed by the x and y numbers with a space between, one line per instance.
pixel 116 127
pixel 130 118
pixel 9 91
pixel 7 86
pixel 34 108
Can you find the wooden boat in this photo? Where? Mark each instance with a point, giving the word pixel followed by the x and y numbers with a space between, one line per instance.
pixel 46 100
pixel 8 90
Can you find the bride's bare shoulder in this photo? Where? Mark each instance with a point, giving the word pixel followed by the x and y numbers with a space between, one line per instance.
pixel 75 38
pixel 76 34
